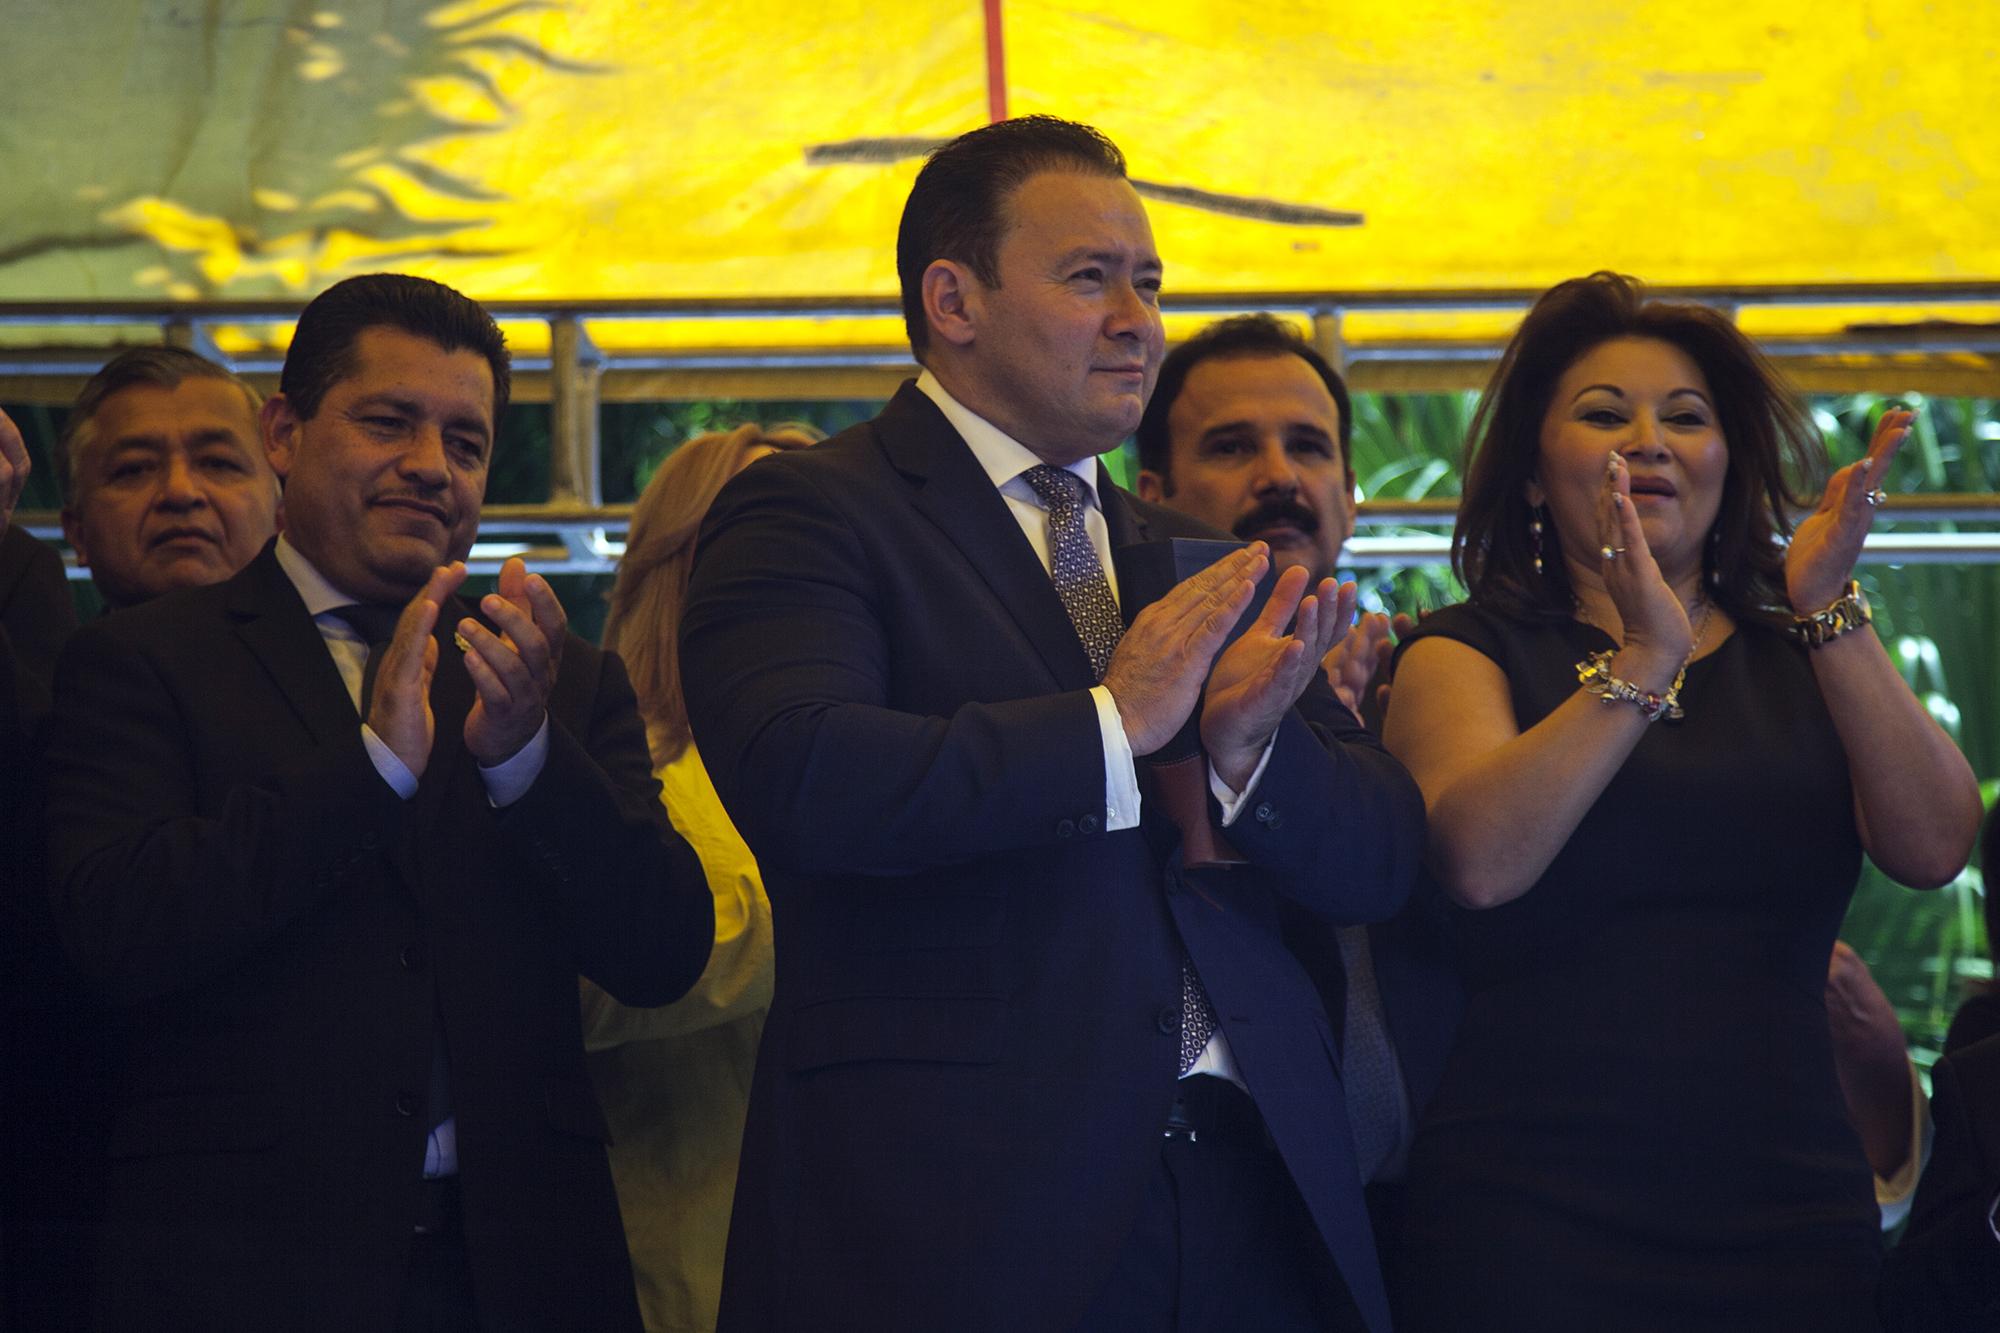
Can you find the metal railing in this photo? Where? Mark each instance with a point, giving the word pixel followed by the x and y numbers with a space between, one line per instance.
pixel 574 531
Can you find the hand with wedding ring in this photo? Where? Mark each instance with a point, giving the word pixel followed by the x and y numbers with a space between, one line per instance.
pixel 1655 622
pixel 1825 546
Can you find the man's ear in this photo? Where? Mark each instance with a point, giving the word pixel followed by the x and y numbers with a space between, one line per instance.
pixel 279 426
pixel 1152 486
pixel 73 534
pixel 951 301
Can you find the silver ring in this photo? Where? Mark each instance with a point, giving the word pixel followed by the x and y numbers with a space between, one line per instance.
pixel 1611 552
pixel 1875 497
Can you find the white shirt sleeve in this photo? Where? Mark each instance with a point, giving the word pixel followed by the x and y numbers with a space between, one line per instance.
pixel 1121 770
pixel 393 770
pixel 508 781
pixel 1232 801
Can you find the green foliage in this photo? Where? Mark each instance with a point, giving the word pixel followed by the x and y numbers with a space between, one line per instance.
pixel 1409 447
pixel 637 437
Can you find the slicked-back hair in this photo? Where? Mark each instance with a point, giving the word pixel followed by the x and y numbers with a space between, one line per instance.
pixel 1776 458
pixel 322 353
pixel 1240 336
pixel 157 367
pixel 958 207
pixel 644 627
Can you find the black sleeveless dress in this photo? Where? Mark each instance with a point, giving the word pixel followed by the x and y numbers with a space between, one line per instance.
pixel 1640 1128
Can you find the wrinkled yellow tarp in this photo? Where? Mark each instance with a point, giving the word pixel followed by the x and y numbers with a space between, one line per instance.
pixel 632 148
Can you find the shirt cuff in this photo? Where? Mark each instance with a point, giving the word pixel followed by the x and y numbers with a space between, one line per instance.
pixel 508 781
pixel 1232 801
pixel 393 770
pixel 1121 770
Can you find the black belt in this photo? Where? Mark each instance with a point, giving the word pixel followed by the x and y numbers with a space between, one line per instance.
pixel 437 1207
pixel 1210 1108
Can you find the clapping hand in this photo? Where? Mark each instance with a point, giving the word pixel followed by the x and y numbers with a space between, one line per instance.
pixel 1155 673
pixel 514 671
pixel 1352 662
pixel 1266 670
pixel 1655 623
pixel 1825 547
pixel 399 710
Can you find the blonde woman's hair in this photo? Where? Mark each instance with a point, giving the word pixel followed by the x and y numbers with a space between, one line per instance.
pixel 646 600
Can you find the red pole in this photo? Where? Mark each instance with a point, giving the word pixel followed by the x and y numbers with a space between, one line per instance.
pixel 996 64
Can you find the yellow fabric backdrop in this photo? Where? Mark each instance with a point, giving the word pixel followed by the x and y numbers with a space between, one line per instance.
pixel 635 148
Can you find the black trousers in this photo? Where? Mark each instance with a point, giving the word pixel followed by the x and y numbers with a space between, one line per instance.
pixel 437 1288
pixel 1223 1241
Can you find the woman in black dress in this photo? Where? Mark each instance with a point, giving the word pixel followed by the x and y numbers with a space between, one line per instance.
pixel 1654 743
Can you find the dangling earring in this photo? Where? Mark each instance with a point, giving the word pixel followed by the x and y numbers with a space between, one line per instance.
pixel 1535 535
pixel 1714 557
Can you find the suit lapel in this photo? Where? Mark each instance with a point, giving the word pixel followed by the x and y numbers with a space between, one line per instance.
pixel 1127 527
pixel 272 623
pixel 954 492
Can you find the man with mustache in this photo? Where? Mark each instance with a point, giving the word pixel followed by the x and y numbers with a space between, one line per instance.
pixel 335 845
pixel 1248 431
pixel 163 475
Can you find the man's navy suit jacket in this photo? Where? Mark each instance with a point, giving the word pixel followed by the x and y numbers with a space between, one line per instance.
pixel 974 1038
pixel 282 935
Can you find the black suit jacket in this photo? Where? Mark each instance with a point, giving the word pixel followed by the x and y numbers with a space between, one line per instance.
pixel 974 1037
pixel 1944 1277
pixel 281 933
pixel 48 1058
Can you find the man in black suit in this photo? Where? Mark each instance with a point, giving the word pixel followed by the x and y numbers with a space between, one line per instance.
pixel 346 952
pixel 1944 1277
pixel 1037 1056
pixel 45 1051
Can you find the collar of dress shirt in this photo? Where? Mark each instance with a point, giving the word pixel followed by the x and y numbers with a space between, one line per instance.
pixel 1003 457
pixel 320 596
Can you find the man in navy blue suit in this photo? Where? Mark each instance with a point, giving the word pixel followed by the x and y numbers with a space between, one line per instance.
pixel 1038 1056
pixel 1249 430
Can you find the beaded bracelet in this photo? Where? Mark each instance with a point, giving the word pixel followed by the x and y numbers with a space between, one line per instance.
pixel 1594 674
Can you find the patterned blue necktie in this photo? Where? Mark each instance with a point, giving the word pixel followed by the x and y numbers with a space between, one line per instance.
pixel 1086 595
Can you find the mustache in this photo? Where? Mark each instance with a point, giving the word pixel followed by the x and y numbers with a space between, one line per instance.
pixel 1271 513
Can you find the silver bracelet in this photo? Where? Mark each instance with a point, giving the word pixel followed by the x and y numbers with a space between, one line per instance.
pixel 1594 674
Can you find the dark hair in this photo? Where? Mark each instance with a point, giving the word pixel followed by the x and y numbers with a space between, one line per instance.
pixel 1775 455
pixel 644 625
pixel 957 208
pixel 1226 339
pixel 159 367
pixel 322 350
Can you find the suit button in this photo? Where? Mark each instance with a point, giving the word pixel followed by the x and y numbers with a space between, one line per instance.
pixel 406 1103
pixel 1065 828
pixel 1088 824
pixel 413 957
pixel 1168 1020
pixel 1264 813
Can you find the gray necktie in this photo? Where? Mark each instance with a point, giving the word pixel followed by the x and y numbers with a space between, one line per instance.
pixel 1368 1069
pixel 1086 595
pixel 376 624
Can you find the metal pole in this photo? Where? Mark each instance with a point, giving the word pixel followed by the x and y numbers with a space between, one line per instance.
pixel 576 369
